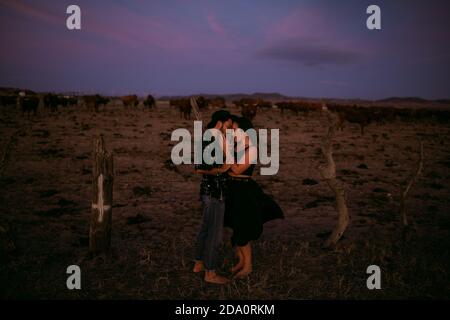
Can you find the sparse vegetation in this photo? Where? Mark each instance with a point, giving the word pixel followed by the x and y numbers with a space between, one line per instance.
pixel 46 201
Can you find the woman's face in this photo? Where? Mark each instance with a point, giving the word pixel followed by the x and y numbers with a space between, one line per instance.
pixel 235 126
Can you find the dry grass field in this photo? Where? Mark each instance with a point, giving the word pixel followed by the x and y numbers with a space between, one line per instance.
pixel 45 204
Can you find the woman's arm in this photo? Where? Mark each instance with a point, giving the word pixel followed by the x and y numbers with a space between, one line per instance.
pixel 239 168
pixel 214 171
pixel 250 157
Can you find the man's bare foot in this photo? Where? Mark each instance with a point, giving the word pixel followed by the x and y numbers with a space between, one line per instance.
pixel 198 266
pixel 237 267
pixel 213 277
pixel 243 273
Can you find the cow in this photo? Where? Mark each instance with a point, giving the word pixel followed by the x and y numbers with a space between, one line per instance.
pixel 149 102
pixel 299 106
pixel 93 102
pixel 217 102
pixel 264 104
pixel 29 104
pixel 51 102
pixel 249 107
pixel 8 100
pixel 130 100
pixel 249 111
pixel 202 103
pixel 184 105
pixel 382 114
pixel 67 101
pixel 352 114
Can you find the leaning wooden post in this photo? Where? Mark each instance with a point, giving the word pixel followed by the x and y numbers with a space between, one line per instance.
pixel 405 192
pixel 328 172
pixel 102 198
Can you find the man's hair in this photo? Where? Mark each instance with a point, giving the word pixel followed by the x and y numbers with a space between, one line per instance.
pixel 220 115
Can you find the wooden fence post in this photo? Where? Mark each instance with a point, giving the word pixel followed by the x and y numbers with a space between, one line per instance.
pixel 405 192
pixel 328 172
pixel 102 198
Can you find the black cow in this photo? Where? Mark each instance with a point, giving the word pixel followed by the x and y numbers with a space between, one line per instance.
pixel 149 102
pixel 29 104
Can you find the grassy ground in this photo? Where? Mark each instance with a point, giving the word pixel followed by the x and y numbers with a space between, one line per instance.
pixel 45 207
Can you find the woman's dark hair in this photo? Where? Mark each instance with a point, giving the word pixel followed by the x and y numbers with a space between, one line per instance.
pixel 234 118
pixel 220 115
pixel 244 123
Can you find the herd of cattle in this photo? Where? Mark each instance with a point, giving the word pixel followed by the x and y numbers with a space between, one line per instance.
pixel 361 115
pixel 28 102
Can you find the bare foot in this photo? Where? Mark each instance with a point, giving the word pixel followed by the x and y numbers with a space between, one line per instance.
pixel 243 273
pixel 198 266
pixel 215 278
pixel 237 267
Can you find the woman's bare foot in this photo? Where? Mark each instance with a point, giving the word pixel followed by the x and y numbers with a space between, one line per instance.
pixel 198 266
pixel 237 267
pixel 243 273
pixel 212 277
pixel 241 263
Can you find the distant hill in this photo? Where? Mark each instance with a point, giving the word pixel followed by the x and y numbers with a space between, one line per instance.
pixel 14 91
pixel 413 100
pixel 403 100
pixel 237 96
pixel 270 96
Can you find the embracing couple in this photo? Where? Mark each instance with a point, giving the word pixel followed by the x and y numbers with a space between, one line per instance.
pixel 232 199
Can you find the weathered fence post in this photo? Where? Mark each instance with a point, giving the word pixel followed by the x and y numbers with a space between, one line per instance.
pixel 102 198
pixel 405 191
pixel 328 172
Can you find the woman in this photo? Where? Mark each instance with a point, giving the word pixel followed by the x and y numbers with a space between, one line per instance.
pixel 247 207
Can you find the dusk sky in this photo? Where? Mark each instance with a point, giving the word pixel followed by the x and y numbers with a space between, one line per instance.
pixel 298 48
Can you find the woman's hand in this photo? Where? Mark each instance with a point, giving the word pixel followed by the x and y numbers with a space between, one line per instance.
pixel 224 168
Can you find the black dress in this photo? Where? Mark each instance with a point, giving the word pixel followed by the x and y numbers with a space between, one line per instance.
pixel 247 208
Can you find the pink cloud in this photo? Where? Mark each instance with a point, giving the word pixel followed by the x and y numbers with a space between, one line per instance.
pixel 31 12
pixel 135 30
pixel 312 32
pixel 138 29
pixel 214 24
pixel 300 23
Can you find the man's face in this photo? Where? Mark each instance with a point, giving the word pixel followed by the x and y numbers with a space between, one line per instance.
pixel 226 125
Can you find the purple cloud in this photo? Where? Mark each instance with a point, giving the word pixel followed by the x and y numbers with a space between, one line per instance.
pixel 309 54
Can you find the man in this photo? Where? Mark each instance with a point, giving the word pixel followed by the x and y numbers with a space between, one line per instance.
pixel 212 193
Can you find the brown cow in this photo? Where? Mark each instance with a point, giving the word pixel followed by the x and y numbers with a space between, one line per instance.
pixel 352 114
pixel 299 106
pixel 184 105
pixel 93 102
pixel 249 107
pixel 217 102
pixel 130 100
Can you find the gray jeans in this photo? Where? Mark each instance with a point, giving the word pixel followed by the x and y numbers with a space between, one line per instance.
pixel 209 237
